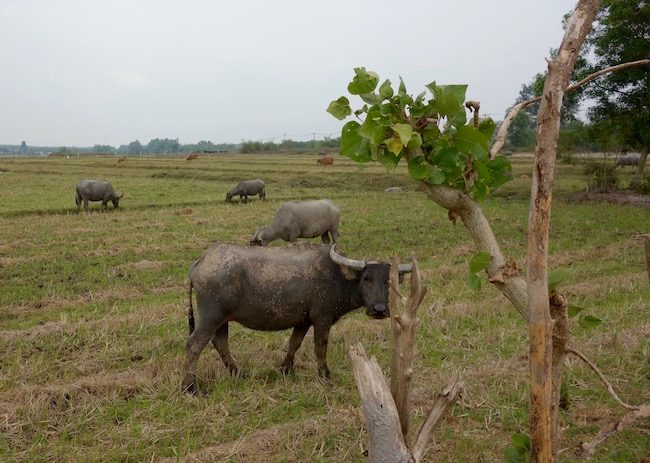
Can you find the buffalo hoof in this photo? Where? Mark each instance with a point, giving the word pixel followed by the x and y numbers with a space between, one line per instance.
pixel 190 389
pixel 286 369
pixel 237 372
pixel 324 373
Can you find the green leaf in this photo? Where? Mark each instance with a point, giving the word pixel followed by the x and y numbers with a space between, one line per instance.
pixel 415 141
pixel 436 177
pixel 385 90
pixel 555 277
pixel 589 321
pixel 482 171
pixel 405 132
pixel 402 87
pixel 354 145
pixel 372 132
pixel 479 191
pixel 521 441
pixel 418 167
pixel 371 98
pixel 512 455
pixel 574 310
pixel 387 159
pixel 340 108
pixel 486 127
pixel 363 82
pixel 467 136
pixel 479 261
pixel 394 145
pixel 430 134
pixel 474 281
pixel 449 99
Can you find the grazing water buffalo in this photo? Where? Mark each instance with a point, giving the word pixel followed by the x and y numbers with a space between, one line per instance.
pixel 272 289
pixel 628 160
pixel 96 190
pixel 301 219
pixel 192 157
pixel 326 161
pixel 247 188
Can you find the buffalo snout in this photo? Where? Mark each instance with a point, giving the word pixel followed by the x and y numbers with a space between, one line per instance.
pixel 378 311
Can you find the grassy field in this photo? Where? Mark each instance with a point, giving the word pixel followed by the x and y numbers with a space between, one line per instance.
pixel 93 316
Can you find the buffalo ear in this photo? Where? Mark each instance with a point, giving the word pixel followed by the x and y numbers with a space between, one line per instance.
pixel 348 273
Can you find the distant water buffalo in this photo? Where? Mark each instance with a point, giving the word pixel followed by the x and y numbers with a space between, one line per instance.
pixel 192 157
pixel 301 219
pixel 96 190
pixel 247 188
pixel 121 159
pixel 628 160
pixel 326 161
pixel 272 289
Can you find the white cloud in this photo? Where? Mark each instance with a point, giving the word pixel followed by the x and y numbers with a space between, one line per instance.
pixel 130 78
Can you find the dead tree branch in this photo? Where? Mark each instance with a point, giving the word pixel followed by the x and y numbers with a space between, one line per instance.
pixel 630 417
pixel 607 384
pixel 500 139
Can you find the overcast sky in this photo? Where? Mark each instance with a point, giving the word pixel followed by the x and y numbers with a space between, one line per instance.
pixel 79 73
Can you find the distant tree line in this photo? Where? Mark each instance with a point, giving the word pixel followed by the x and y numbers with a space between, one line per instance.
pixel 251 146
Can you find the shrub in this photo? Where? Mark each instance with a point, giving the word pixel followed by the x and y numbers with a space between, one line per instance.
pixel 601 176
pixel 644 186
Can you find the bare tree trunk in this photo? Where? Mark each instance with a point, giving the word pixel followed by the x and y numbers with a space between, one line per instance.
pixel 638 175
pixel 540 324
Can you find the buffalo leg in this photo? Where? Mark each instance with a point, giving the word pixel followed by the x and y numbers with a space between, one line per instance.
pixel 321 334
pixel 335 235
pixel 220 342
pixel 204 331
pixel 325 238
pixel 295 341
pixel 86 204
pixel 244 198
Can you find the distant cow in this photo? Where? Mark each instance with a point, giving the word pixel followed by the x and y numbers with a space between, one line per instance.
pixel 326 161
pixel 191 157
pixel 96 190
pixel 628 160
pixel 121 159
pixel 301 219
pixel 247 188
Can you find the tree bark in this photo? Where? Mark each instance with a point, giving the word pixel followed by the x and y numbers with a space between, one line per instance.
pixel 540 324
pixel 561 334
pixel 404 325
pixel 385 439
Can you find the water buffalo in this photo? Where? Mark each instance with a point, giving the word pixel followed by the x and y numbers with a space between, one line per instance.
pixel 247 188
pixel 301 219
pixel 326 161
pixel 272 289
pixel 96 190
pixel 192 157
pixel 628 160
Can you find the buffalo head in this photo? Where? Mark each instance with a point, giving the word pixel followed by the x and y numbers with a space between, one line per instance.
pixel 256 239
pixel 373 281
pixel 116 200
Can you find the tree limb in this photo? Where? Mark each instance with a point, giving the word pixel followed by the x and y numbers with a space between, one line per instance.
pixel 607 384
pixel 440 406
pixel 516 109
pixel 630 417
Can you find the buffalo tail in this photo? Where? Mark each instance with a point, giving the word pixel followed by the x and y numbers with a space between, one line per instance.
pixel 190 312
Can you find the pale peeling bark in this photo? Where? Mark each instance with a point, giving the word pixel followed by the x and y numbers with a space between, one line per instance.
pixel 561 335
pixel 404 326
pixel 540 324
pixel 385 439
pixel 638 175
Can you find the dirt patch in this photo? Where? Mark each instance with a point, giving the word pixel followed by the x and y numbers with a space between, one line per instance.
pixel 614 197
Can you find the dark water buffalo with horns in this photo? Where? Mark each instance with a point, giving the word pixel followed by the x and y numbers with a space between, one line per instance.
pixel 247 188
pixel 628 160
pixel 271 289
pixel 301 219
pixel 96 190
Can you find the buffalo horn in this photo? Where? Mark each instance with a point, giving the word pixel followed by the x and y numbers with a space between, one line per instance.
pixel 341 260
pixel 406 268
